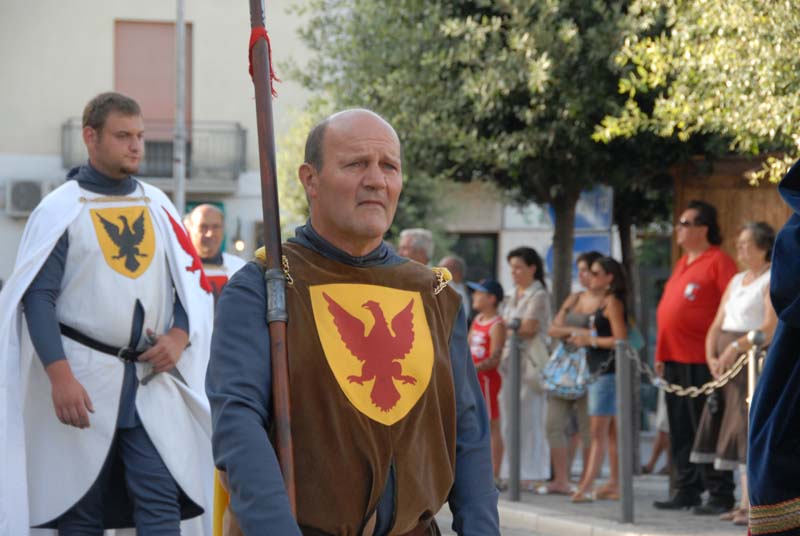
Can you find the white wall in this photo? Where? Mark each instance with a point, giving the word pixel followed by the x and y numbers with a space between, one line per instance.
pixel 56 55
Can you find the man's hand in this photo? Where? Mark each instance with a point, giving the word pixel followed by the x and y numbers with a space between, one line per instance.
pixel 166 351
pixel 658 367
pixel 70 400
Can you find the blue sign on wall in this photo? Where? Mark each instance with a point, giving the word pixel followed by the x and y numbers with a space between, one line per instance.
pixel 583 243
pixel 593 211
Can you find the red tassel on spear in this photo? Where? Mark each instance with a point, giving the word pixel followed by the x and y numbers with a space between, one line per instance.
pixel 263 75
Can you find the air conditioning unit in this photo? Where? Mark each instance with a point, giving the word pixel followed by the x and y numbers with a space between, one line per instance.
pixel 22 196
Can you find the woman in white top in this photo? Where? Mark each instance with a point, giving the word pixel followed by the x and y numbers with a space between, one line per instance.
pixel 529 302
pixel 722 433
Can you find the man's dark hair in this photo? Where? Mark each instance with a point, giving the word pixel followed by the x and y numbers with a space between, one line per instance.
pixel 588 257
pixel 97 110
pixel 763 236
pixel 313 152
pixel 531 258
pixel 707 215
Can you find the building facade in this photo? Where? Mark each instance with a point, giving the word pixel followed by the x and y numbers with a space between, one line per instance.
pixel 57 55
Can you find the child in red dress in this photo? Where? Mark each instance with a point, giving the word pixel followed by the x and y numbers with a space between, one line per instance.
pixel 487 336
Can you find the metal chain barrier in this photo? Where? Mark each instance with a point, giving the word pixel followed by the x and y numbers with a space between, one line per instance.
pixel 602 370
pixel 690 391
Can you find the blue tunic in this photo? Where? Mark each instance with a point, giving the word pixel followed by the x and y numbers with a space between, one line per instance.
pixel 39 301
pixel 773 466
pixel 239 382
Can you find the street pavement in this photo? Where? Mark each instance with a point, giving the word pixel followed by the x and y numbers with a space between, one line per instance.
pixel 555 515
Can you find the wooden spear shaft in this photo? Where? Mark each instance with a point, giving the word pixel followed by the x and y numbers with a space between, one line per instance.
pixel 274 277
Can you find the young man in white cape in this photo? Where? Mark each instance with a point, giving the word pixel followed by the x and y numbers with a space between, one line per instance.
pixel 104 332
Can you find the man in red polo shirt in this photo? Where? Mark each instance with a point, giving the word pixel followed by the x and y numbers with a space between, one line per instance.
pixel 687 308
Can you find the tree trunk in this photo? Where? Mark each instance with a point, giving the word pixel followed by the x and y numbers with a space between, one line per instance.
pixel 563 242
pixel 625 228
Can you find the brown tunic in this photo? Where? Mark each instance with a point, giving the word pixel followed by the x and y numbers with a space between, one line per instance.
pixel 342 455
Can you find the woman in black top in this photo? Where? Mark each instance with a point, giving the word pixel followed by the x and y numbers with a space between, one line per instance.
pixel 608 326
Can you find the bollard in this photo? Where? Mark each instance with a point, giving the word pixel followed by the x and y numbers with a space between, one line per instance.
pixel 624 429
pixel 756 338
pixel 513 412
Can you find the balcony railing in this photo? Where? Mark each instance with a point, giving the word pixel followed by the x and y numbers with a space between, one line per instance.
pixel 215 150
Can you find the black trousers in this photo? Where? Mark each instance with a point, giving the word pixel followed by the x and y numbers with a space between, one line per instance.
pixel 683 413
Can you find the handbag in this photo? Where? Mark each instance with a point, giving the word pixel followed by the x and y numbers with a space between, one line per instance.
pixel 635 338
pixel 566 373
pixel 534 358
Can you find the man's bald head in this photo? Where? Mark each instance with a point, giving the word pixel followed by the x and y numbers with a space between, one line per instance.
pixel 314 151
pixel 206 225
pixel 352 192
pixel 203 209
pixel 456 265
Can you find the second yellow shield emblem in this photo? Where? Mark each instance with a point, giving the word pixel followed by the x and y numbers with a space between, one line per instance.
pixel 378 345
pixel 126 237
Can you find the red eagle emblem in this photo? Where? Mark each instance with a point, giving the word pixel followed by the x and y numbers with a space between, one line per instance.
pixel 188 247
pixel 380 351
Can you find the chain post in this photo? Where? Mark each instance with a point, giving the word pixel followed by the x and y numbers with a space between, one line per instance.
pixel 514 412
pixel 756 339
pixel 624 428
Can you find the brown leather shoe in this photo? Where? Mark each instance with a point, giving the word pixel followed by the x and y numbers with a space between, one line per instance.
pixel 679 502
pixel 710 509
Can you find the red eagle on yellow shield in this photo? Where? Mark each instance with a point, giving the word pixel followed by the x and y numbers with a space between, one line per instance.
pixel 378 344
pixel 379 351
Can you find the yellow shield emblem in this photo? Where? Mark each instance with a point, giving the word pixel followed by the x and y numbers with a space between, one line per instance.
pixel 378 345
pixel 126 237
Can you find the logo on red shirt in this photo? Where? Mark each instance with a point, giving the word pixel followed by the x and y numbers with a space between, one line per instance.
pixel 690 292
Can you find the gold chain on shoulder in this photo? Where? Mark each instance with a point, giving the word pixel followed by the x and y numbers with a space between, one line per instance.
pixel 285 267
pixel 441 282
pixel 113 199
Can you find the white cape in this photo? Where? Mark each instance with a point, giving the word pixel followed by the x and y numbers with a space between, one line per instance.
pixel 232 263
pixel 185 449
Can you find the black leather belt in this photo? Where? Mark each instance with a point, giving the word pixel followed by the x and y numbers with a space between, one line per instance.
pixel 124 353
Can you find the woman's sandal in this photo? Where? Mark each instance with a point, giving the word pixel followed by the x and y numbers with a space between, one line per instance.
pixel 582 497
pixel 742 517
pixel 545 489
pixel 606 495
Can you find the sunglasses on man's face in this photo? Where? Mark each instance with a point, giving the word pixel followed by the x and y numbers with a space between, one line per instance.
pixel 683 222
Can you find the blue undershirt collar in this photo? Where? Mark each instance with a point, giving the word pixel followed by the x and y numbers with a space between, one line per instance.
pixel 307 237
pixel 94 181
pixel 216 259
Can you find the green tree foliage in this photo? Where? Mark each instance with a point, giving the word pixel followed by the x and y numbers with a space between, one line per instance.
pixel 290 150
pixel 728 68
pixel 508 91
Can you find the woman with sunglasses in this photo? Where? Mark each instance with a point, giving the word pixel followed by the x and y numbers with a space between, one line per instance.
pixel 608 325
